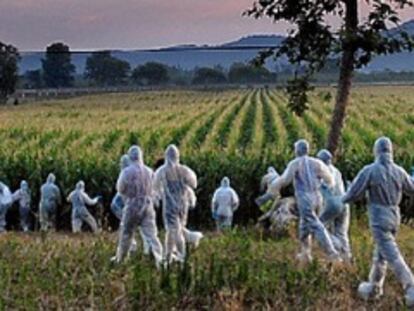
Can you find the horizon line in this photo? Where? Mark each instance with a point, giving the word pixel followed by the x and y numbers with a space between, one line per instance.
pixel 178 46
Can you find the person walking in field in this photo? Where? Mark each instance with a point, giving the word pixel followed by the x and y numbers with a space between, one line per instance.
pixel 191 237
pixel 80 199
pixel 117 204
pixel 336 217
pixel 385 182
pixel 224 203
pixel 6 201
pixel 50 199
pixel 265 183
pixel 267 179
pixel 117 207
pixel 23 197
pixel 135 185
pixel 171 184
pixel 306 173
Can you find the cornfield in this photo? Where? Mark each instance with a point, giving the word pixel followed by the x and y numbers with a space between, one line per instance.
pixel 233 133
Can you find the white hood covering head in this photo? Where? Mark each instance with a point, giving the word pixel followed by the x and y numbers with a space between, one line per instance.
pixel 325 156
pixel 80 185
pixel 225 182
pixel 51 178
pixel 24 185
pixel 383 150
pixel 125 161
pixel 301 148
pixel 135 154
pixel 271 170
pixel 172 155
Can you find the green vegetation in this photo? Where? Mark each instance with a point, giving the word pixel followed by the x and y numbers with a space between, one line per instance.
pixel 233 133
pixel 240 270
pixel 105 70
pixel 58 70
pixel 9 58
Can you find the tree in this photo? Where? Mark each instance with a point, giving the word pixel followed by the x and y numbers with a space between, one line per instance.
pixel 151 73
pixel 106 70
pixel 58 69
pixel 247 73
pixel 9 58
pixel 34 79
pixel 313 41
pixel 207 75
pixel 179 76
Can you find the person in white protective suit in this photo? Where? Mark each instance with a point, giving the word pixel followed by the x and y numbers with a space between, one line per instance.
pixel 117 206
pixel 50 199
pixel 224 203
pixel 6 201
pixel 385 182
pixel 265 183
pixel 80 199
pixel 267 179
pixel 171 184
pixel 23 197
pixel 192 237
pixel 280 216
pixel 334 216
pixel 135 184
pixel 306 174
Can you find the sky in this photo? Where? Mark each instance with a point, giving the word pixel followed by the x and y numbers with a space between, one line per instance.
pixel 129 24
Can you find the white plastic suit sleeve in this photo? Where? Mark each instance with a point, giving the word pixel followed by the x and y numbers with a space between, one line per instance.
pixel 408 184
pixel 284 180
pixel 325 174
pixel 5 196
pixel 88 200
pixel 121 185
pixel 358 187
pixel 235 200
pixel 70 196
pixel 16 196
pixel 189 176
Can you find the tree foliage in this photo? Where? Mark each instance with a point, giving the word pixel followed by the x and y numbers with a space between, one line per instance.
pixel 151 73
pixel 58 69
pixel 106 70
pixel 313 41
pixel 247 73
pixel 34 79
pixel 206 75
pixel 9 58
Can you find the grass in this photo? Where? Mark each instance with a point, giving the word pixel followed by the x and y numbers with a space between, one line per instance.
pixel 269 126
pixel 225 129
pixel 234 133
pixel 240 270
pixel 247 125
pixel 83 138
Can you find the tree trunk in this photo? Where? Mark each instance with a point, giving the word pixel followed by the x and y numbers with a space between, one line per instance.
pixel 345 76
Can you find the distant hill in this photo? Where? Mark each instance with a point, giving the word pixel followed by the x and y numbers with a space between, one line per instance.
pixel 184 56
pixel 256 41
pixel 242 50
pixel 396 62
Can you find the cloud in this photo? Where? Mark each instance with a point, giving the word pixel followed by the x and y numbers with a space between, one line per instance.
pixel 100 24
